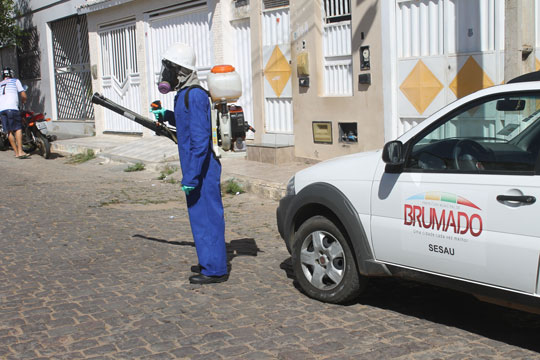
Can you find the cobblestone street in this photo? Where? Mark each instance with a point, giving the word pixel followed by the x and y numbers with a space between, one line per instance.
pixel 94 263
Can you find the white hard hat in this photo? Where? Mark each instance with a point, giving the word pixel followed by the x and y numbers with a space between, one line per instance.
pixel 181 54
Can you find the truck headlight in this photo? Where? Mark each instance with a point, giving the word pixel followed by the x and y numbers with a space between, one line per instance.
pixel 290 187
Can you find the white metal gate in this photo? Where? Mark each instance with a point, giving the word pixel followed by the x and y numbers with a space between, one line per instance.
pixel 276 55
pixel 187 24
pixel 446 49
pixel 242 32
pixel 120 74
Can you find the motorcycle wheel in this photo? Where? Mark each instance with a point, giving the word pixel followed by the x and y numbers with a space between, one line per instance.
pixel 28 141
pixel 43 146
pixel 3 144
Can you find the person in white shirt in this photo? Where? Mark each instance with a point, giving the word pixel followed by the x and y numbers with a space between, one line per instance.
pixel 10 88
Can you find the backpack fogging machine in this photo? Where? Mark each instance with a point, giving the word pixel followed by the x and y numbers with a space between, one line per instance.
pixel 229 127
pixel 228 121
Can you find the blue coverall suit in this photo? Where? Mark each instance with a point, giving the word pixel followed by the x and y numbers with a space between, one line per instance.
pixel 201 170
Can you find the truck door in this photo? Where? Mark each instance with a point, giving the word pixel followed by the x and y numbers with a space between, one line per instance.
pixel 465 204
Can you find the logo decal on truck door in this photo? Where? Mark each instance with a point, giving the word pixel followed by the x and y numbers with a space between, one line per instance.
pixel 443 212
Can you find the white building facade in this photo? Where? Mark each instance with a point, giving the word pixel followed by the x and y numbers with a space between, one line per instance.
pixel 321 78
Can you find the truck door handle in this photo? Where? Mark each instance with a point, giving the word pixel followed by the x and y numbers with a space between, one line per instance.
pixel 525 199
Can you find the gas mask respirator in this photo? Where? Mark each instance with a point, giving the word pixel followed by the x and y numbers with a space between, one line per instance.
pixel 169 77
pixel 173 77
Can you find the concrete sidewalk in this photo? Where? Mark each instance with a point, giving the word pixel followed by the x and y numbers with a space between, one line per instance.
pixel 264 179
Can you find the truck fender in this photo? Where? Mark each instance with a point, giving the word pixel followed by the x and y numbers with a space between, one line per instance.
pixel 324 195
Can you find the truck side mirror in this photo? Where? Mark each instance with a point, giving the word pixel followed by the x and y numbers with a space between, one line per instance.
pixel 393 155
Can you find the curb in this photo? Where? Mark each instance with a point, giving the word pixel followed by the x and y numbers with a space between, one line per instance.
pixel 268 190
pixel 71 149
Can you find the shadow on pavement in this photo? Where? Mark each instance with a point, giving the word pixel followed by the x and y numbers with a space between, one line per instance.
pixel 447 307
pixel 242 247
pixel 163 241
pixel 238 247
pixel 55 156
pixel 286 265
pixel 456 309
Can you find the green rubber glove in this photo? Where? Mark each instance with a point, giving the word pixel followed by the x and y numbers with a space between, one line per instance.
pixel 187 189
pixel 159 114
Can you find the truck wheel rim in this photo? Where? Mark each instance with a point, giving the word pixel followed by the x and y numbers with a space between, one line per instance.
pixel 322 260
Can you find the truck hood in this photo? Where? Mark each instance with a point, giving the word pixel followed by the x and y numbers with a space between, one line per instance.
pixel 354 167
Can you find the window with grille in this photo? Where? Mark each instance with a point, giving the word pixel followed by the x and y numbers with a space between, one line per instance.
pixel 337 48
pixel 28 56
pixel 272 4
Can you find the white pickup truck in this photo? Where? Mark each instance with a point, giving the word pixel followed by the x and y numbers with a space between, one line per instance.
pixel 450 202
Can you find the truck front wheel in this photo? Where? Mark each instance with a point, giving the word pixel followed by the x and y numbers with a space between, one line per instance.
pixel 324 263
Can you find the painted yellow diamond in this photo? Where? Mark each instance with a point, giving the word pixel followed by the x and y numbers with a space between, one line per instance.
pixel 277 71
pixel 421 87
pixel 469 79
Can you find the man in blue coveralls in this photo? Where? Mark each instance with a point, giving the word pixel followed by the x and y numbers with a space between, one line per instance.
pixel 201 170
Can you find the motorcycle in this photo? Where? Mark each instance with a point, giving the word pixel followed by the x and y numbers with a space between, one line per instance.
pixel 35 135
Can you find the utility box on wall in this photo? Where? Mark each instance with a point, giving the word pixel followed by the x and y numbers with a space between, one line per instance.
pixel 348 132
pixel 322 132
pixel 302 64
pixel 302 69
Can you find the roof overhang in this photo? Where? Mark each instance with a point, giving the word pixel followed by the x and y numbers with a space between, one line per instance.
pixel 97 5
